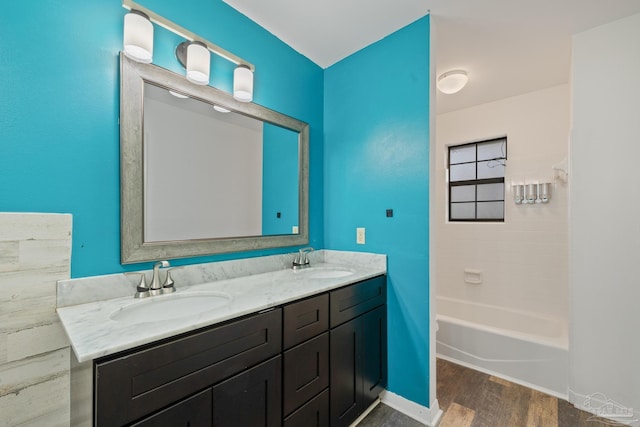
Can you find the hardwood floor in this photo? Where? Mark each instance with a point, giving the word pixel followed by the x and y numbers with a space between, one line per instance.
pixel 471 398
pixel 474 399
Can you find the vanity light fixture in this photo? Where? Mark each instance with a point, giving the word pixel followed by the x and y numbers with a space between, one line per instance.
pixel 193 54
pixel 195 57
pixel 452 81
pixel 243 83
pixel 138 37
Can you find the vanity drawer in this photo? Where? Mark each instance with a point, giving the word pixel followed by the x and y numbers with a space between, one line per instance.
pixel 195 411
pixel 136 384
pixel 306 372
pixel 305 319
pixel 352 301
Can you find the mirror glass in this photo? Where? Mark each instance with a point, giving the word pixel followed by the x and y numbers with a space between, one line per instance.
pixel 198 181
pixel 215 174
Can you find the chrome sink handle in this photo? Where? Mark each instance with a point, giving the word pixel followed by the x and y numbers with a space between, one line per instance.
pixel 142 290
pixel 169 285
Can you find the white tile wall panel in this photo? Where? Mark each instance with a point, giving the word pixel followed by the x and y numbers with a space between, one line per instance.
pixel 35 252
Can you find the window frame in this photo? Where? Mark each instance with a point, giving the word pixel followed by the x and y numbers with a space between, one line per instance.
pixel 476 181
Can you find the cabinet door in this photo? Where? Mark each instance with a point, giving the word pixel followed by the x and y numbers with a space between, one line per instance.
pixel 192 412
pixel 346 379
pixel 252 398
pixel 314 413
pixel 374 354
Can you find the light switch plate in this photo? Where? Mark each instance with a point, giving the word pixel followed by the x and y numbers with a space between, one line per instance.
pixel 360 237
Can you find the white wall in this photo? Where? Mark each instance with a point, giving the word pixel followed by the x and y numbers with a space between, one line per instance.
pixel 605 214
pixel 524 261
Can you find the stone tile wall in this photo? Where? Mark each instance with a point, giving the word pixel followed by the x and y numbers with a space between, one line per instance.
pixel 35 252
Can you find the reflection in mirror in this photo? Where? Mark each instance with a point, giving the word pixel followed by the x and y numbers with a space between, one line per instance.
pixel 210 174
pixel 195 181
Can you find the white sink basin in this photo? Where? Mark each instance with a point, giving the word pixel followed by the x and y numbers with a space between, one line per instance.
pixel 326 273
pixel 168 307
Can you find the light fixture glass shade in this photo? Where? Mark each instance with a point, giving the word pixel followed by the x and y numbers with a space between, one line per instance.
pixel 221 109
pixel 198 63
pixel 452 81
pixel 138 37
pixel 243 84
pixel 178 94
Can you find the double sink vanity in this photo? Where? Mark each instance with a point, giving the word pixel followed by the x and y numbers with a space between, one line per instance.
pixel 239 343
pixel 283 340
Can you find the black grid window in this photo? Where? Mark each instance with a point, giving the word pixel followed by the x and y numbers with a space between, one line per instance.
pixel 476 181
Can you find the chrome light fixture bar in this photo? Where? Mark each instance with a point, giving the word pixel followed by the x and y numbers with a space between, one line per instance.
pixel 183 32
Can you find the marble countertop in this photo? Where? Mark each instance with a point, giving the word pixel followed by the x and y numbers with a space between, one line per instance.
pixel 93 333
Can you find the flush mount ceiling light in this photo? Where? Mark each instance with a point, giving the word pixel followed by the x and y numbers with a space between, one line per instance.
pixel 452 81
pixel 243 83
pixel 195 57
pixel 138 37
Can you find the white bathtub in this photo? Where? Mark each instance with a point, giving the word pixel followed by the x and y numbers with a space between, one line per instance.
pixel 519 346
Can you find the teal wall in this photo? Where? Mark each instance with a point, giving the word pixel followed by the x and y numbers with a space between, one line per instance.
pixel 59 107
pixel 59 139
pixel 376 122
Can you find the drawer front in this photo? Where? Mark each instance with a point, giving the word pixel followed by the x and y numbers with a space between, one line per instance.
pixel 134 385
pixel 352 301
pixel 306 372
pixel 313 414
pixel 193 412
pixel 305 319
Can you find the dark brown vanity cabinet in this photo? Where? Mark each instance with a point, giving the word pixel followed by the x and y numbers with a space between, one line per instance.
pixel 219 365
pixel 316 362
pixel 358 341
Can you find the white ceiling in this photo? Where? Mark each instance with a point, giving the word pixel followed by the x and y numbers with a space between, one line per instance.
pixel 508 47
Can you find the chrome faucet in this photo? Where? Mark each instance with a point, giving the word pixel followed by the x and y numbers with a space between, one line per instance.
pixel 301 260
pixel 143 290
pixel 156 287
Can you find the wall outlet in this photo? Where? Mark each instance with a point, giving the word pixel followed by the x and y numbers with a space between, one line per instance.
pixel 360 236
pixel 294 229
